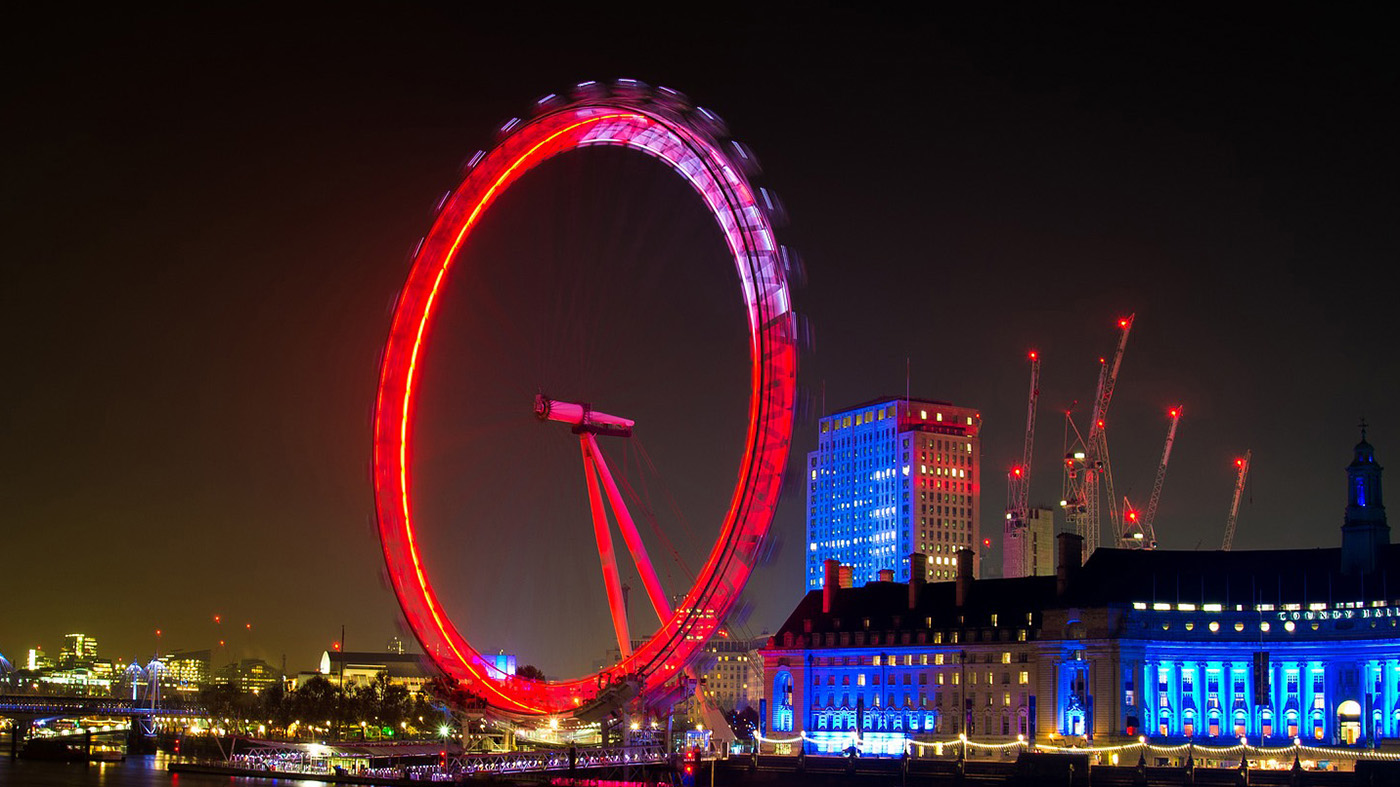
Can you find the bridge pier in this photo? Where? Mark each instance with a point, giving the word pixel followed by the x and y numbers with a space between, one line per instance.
pixel 18 729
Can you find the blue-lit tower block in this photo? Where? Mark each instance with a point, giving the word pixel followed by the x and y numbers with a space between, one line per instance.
pixel 889 478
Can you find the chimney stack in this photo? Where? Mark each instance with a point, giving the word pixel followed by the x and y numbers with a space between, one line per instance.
pixel 845 577
pixel 964 581
pixel 1069 549
pixel 918 575
pixel 885 575
pixel 832 569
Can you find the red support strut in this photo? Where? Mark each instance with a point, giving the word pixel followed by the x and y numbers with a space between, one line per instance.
pixel 605 553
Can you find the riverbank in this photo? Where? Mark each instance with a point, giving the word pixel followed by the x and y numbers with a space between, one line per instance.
pixel 213 769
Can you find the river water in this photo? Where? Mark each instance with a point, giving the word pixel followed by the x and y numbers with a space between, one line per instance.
pixel 144 771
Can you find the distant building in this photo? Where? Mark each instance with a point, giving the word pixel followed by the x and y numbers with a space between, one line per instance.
pixel 889 478
pixel 79 650
pixel 1030 551
pixel 733 671
pixel 186 670
pixel 359 669
pixel 36 660
pixel 255 675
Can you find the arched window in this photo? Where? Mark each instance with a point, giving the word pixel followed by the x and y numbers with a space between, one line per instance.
pixel 782 701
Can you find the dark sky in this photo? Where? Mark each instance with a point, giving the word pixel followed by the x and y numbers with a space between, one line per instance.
pixel 207 214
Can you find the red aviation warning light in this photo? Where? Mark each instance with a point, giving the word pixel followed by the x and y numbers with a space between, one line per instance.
pixel 1034 355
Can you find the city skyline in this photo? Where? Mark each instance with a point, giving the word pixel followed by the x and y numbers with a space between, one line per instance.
pixel 209 215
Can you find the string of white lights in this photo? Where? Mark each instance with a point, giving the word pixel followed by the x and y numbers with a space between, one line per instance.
pixel 1258 752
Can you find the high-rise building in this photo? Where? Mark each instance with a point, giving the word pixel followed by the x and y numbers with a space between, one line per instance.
pixel 37 660
pixel 187 670
pixel 1030 551
pixel 79 650
pixel 891 477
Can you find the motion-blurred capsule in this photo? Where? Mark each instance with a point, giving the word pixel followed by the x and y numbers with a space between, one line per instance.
pixel 631 88
pixel 710 122
pixel 793 266
pixel 469 163
pixel 745 158
pixel 588 90
pixel 671 99
pixel 777 214
pixel 547 103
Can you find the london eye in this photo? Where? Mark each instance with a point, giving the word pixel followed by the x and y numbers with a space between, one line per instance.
pixel 690 142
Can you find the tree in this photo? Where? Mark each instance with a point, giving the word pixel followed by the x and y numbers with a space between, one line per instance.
pixel 220 701
pixel 316 700
pixel 530 671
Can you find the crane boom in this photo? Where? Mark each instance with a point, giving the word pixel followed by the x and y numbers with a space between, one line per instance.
pixel 1097 470
pixel 1151 513
pixel 1137 527
pixel 1029 448
pixel 1018 488
pixel 1109 380
pixel 1243 465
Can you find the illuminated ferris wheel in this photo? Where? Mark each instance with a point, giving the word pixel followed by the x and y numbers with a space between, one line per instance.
pixel 689 141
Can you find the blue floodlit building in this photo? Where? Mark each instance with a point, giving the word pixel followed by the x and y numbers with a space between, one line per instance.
pixel 890 478
pixel 1268 645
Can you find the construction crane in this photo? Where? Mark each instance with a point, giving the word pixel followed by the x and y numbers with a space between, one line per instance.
pixel 1018 487
pixel 1243 465
pixel 1137 528
pixel 1087 467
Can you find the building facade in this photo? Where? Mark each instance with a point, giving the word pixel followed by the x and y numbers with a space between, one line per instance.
pixel 363 668
pixel 890 478
pixel 732 671
pixel 79 650
pixel 1029 551
pixel 1267 645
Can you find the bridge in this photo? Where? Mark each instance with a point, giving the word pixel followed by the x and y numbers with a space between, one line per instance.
pixel 31 706
pixel 25 709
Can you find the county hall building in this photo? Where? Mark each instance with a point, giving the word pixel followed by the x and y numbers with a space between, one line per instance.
pixel 1268 645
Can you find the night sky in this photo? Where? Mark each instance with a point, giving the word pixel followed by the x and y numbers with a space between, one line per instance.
pixel 207 215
